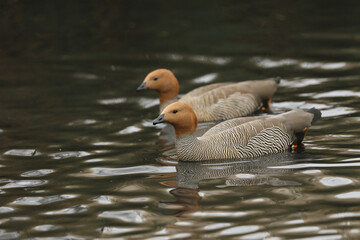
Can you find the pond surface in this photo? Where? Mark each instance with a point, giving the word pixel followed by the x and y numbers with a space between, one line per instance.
pixel 80 159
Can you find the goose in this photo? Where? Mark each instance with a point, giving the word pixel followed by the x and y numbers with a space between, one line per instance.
pixel 214 102
pixel 237 138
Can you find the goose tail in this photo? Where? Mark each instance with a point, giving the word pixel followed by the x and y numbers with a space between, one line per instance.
pixel 317 114
pixel 277 79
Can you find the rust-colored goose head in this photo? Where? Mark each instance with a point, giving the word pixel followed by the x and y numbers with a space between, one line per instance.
pixel 181 116
pixel 164 82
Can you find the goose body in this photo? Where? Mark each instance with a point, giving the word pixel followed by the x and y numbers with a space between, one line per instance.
pixel 237 138
pixel 214 102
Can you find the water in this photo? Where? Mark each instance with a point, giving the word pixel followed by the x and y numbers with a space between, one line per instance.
pixel 79 155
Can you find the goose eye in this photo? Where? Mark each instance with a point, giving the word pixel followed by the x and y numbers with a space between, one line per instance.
pixel 155 78
pixel 175 111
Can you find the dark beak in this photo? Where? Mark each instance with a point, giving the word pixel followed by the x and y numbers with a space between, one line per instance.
pixel 159 119
pixel 141 87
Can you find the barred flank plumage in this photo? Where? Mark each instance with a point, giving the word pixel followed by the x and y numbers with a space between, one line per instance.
pixel 249 140
pixel 244 137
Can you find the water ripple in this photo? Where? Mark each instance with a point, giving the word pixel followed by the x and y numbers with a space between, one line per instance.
pixel 142 101
pixel 321 65
pixel 336 93
pixel 132 170
pixel 338 111
pixel 103 199
pixel 87 76
pixel 301 105
pixel 148 102
pixel 70 154
pixel 6 209
pixel 344 215
pixel 214 214
pixel 112 101
pixel 269 63
pixel 317 165
pixel 41 200
pixel 37 173
pixel 240 230
pixel 46 227
pixel 22 152
pixel 129 130
pixel 196 58
pixel 70 210
pixel 216 226
pixel 335 181
pixel 24 183
pixel 82 122
pixel 206 78
pixel 181 236
pixel 118 230
pixel 302 229
pixel 67 237
pixel 349 195
pixel 299 83
pixel 9 235
pixel 259 235
pixel 130 216
pixel 210 59
pixel 275 63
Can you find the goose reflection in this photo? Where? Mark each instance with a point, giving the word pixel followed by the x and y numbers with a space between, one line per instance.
pixel 265 170
pixel 189 174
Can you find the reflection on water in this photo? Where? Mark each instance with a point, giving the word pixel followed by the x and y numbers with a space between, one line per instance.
pixel 80 158
pixel 190 174
pixel 234 174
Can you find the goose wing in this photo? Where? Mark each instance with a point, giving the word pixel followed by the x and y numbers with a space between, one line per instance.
pixel 253 138
pixel 223 126
pixel 201 90
pixel 258 129
pixel 221 103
